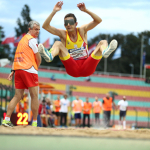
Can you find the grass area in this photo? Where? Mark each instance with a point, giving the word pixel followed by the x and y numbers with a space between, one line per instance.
pixel 21 142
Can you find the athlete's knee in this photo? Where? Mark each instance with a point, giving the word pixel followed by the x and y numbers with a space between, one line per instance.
pixel 34 95
pixel 18 96
pixel 58 43
pixel 103 42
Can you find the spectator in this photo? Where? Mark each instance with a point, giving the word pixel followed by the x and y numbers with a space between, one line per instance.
pixel 122 106
pixel 77 108
pixel 50 116
pixel 147 80
pixel 88 78
pixel 97 106
pixel 87 106
pixel 42 112
pixel 107 107
pixel 53 77
pixel 57 109
pixel 64 102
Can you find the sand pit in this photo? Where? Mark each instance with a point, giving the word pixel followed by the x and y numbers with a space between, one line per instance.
pixel 77 132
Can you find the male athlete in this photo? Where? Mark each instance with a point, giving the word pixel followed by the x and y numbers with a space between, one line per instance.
pixel 73 48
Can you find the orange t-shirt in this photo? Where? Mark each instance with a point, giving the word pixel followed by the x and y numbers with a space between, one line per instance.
pixel 107 105
pixel 57 102
pixel 87 106
pixel 96 107
pixel 77 105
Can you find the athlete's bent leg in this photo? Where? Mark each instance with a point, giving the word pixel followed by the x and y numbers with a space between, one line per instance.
pixel 105 50
pixel 71 66
pixel 89 65
pixel 57 49
pixel 102 45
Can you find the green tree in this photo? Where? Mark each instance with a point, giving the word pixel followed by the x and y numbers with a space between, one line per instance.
pixel 23 25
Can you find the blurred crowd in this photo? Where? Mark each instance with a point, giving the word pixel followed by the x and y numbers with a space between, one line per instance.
pixel 61 112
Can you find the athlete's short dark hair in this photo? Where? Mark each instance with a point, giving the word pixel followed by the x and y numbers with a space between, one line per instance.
pixel 71 15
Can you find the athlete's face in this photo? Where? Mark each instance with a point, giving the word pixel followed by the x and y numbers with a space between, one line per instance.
pixel 107 95
pixel 58 97
pixel 96 98
pixel 70 24
pixel 77 97
pixel 65 96
pixel 87 99
pixel 124 98
pixel 34 31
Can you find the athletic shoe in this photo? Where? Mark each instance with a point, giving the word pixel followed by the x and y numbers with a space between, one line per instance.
pixel 34 124
pixel 112 46
pixel 45 53
pixel 7 123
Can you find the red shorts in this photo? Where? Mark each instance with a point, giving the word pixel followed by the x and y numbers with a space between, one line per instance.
pixel 80 68
pixel 24 79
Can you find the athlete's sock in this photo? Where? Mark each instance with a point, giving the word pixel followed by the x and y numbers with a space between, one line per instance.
pixel 104 49
pixel 119 123
pixel 124 124
pixel 35 120
pixel 7 118
pixel 50 51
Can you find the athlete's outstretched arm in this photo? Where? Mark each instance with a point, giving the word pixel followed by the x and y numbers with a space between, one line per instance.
pixel 46 24
pixel 96 18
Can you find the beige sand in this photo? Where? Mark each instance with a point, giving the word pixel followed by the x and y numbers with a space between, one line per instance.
pixel 80 132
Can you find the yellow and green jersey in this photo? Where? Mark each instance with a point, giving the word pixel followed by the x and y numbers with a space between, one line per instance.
pixel 77 50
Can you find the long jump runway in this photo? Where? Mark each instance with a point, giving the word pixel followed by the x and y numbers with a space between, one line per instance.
pixel 30 138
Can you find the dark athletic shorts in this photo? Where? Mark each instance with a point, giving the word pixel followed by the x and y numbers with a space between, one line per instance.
pixel 77 115
pixel 57 114
pixel 122 113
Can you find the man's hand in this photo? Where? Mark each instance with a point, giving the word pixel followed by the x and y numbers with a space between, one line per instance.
pixel 10 76
pixel 81 6
pixel 58 6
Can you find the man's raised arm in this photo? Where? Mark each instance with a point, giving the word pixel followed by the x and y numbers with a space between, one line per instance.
pixel 96 18
pixel 46 24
